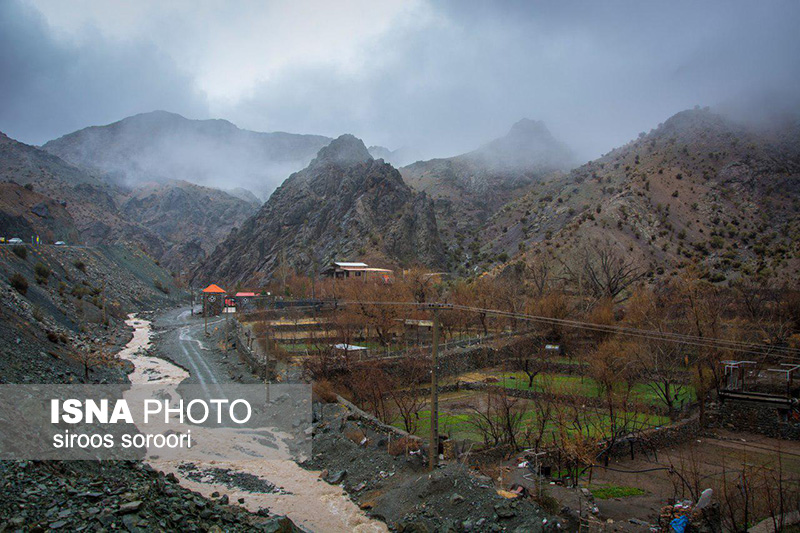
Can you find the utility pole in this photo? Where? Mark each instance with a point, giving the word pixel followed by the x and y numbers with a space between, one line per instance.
pixel 205 313
pixel 314 269
pixel 433 458
pixel 268 345
pixel 227 324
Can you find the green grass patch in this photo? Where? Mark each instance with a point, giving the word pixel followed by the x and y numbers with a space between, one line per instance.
pixel 607 492
pixel 458 426
pixel 569 361
pixel 585 386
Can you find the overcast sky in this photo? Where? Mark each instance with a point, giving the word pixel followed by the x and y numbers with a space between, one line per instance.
pixel 440 77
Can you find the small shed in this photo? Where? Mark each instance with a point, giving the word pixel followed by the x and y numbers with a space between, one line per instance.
pixel 213 300
pixel 244 301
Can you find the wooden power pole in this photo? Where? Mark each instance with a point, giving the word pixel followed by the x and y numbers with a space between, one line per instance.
pixel 267 348
pixel 205 314
pixel 434 444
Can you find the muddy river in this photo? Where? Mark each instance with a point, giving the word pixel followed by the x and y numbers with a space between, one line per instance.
pixel 310 502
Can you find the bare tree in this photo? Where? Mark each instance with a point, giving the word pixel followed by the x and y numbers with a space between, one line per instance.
pixel 704 306
pixel 92 358
pixel 499 419
pixel 602 272
pixel 370 386
pixel 529 355
pixel 413 371
pixel 618 416
pixel 539 276
pixel 543 415
pixel 661 364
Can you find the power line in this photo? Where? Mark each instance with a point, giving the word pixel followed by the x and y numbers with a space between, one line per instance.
pixel 783 352
pixel 649 334
pixel 694 340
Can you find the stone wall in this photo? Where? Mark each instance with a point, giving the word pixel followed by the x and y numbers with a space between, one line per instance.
pixel 372 422
pixel 760 418
pixel 250 351
pixel 657 438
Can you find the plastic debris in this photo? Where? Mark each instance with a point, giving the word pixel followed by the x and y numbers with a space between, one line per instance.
pixel 679 524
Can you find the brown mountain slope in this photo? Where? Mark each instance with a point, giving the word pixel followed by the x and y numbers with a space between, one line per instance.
pixel 699 189
pixel 185 215
pixel 175 222
pixel 86 197
pixel 344 205
pixel 468 189
pixel 25 213
pixel 27 164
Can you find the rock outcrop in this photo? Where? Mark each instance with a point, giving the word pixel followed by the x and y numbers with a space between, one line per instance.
pixel 344 205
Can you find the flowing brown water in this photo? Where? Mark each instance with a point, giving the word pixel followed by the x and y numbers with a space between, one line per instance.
pixel 308 501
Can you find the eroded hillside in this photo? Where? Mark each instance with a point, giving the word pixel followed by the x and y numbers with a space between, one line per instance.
pixel 698 190
pixel 345 204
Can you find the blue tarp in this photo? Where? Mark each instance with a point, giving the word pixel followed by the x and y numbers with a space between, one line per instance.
pixel 679 524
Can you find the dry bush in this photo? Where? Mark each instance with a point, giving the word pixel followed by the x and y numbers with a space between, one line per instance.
pixel 324 391
pixel 93 358
pixel 370 386
pixel 19 283
pixel 404 445
pixel 499 419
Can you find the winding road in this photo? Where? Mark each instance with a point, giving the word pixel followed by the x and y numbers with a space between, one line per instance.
pixel 180 338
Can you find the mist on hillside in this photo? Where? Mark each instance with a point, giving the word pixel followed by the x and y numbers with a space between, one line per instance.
pixel 436 79
pixel 161 146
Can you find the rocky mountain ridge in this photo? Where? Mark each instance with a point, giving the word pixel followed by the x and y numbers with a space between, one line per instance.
pixel 470 188
pixel 344 205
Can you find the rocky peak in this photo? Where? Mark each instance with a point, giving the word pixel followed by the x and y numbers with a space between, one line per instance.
pixel 695 122
pixel 159 119
pixel 528 145
pixel 344 203
pixel 524 137
pixel 528 129
pixel 343 151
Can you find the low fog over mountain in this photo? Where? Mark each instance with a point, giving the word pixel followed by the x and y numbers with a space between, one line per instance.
pixel 438 77
pixel 162 146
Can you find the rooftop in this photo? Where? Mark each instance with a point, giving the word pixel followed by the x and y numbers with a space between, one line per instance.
pixel 350 265
pixel 215 289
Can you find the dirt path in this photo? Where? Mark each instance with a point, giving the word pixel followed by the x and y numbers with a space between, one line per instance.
pixel 311 503
pixel 710 456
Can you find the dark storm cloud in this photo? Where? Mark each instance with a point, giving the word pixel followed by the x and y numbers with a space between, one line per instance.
pixel 443 78
pixel 50 87
pixel 597 72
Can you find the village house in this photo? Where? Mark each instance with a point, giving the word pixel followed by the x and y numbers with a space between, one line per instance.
pixel 359 271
